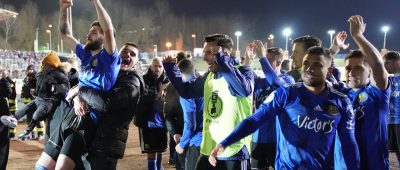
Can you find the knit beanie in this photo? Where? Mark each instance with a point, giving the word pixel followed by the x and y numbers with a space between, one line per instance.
pixel 52 60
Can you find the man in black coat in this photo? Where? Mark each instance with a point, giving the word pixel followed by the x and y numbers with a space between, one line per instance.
pixel 117 107
pixel 107 143
pixel 5 91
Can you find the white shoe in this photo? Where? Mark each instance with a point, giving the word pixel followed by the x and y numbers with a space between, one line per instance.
pixel 9 121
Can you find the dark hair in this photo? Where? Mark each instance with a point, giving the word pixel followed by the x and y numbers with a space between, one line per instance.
pixel 97 23
pixel 392 55
pixel 186 66
pixel 131 44
pixel 30 67
pixel 316 50
pixel 354 54
pixel 308 41
pixel 222 40
pixel 285 65
pixel 276 52
pixel 180 56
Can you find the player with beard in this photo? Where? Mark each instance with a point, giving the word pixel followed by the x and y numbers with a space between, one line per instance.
pixel 118 107
pixel 100 65
pixel 227 90
pixel 308 116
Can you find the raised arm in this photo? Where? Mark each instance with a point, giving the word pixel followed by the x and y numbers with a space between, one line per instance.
pixel 65 26
pixel 240 79
pixel 372 55
pixel 188 89
pixel 106 25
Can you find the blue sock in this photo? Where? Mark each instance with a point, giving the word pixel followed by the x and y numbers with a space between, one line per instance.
pixel 151 164
pixel 159 160
pixel 39 167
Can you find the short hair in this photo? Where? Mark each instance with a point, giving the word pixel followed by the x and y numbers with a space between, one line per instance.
pixel 180 56
pixel 355 54
pixel 30 67
pixel 97 23
pixel 131 44
pixel 316 50
pixel 186 66
pixel 392 55
pixel 308 41
pixel 276 52
pixel 222 40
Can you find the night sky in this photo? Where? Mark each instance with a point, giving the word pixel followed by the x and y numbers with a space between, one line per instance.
pixel 305 17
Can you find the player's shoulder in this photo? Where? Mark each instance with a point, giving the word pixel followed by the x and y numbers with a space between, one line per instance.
pixel 336 92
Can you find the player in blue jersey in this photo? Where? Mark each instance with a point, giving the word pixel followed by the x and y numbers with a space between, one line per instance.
pixel 263 146
pixel 308 116
pixel 370 98
pixel 100 65
pixel 392 65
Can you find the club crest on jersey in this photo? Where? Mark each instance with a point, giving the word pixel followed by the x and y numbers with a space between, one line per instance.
pixel 214 108
pixel 362 97
pixel 333 110
pixel 94 62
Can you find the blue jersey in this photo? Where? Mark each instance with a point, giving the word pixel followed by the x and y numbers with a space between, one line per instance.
pixel 371 106
pixel 263 86
pixel 98 72
pixel 394 117
pixel 306 125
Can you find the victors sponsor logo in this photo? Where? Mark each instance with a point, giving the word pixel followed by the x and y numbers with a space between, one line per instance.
pixel 214 108
pixel 315 124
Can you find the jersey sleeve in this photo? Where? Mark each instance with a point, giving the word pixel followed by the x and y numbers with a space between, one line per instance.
pixel 240 79
pixel 272 105
pixel 188 89
pixel 346 129
pixel 80 52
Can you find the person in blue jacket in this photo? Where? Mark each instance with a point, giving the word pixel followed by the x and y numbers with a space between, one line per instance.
pixel 193 120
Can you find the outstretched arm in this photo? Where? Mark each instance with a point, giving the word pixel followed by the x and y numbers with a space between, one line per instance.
pixel 106 25
pixel 372 55
pixel 65 26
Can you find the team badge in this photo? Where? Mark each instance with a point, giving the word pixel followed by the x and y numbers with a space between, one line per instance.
pixel 362 97
pixel 333 110
pixel 214 108
pixel 94 62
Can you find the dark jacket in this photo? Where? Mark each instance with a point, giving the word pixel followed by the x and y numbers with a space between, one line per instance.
pixel 5 88
pixel 13 94
pixel 150 106
pixel 29 83
pixel 117 107
pixel 73 77
pixel 48 78
pixel 173 111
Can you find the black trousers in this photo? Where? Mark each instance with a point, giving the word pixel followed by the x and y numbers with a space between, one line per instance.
pixel 192 155
pixel 4 147
pixel 101 161
pixel 203 163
